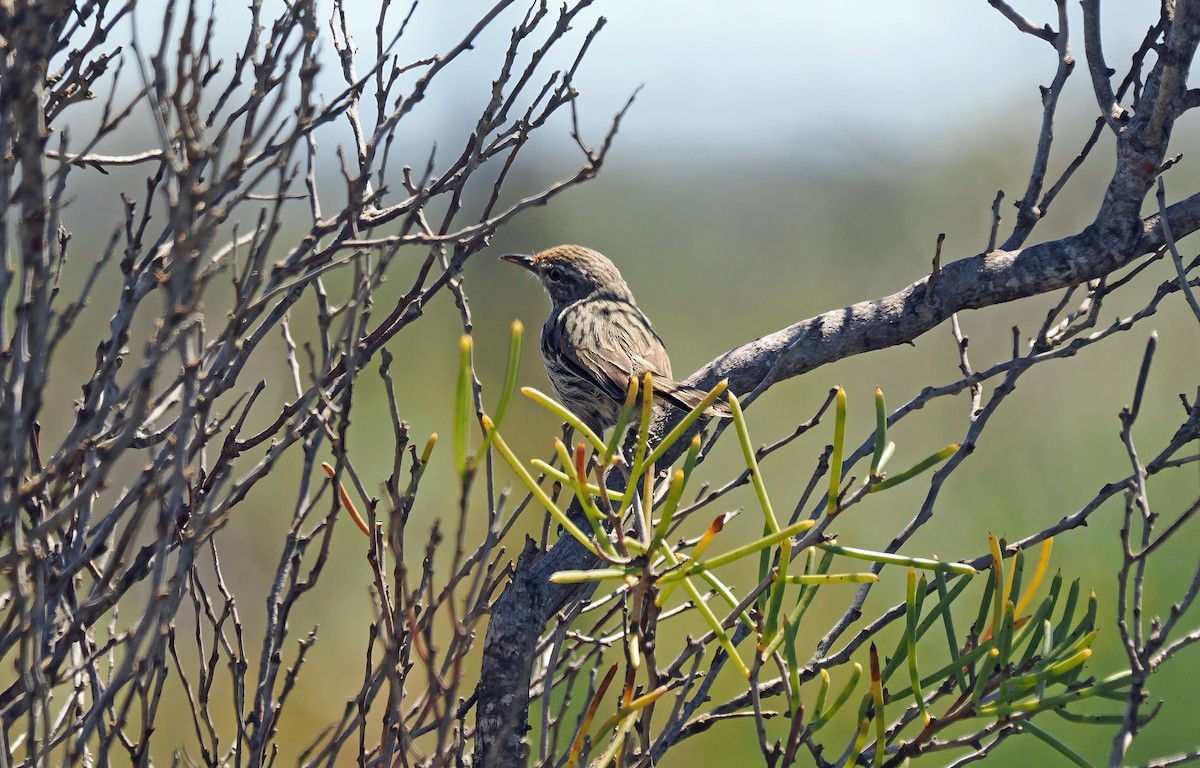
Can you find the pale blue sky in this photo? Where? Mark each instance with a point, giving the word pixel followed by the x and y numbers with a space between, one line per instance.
pixel 815 76
pixel 822 80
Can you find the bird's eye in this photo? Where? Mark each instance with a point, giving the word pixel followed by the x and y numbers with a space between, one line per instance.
pixel 554 274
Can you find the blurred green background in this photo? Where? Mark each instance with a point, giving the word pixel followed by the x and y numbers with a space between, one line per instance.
pixel 781 161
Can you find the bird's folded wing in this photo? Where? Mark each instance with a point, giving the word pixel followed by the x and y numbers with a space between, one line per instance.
pixel 622 347
pixel 632 348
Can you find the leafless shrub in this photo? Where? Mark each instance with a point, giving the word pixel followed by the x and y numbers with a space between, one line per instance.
pixel 109 526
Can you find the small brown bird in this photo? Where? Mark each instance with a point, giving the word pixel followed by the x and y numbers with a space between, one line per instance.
pixel 596 338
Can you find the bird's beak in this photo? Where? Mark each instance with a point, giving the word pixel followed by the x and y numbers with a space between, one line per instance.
pixel 520 259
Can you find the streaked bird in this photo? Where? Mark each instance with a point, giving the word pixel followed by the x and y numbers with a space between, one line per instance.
pixel 595 337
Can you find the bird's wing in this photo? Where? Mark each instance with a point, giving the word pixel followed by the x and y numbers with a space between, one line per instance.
pixel 616 341
pixel 622 344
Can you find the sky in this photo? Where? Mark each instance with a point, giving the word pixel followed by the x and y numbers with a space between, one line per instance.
pixel 815 77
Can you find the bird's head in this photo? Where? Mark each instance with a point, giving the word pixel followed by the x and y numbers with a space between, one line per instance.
pixel 571 272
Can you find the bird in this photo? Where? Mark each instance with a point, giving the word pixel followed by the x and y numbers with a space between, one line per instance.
pixel 596 338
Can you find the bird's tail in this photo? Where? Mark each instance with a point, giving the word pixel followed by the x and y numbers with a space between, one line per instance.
pixel 688 397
